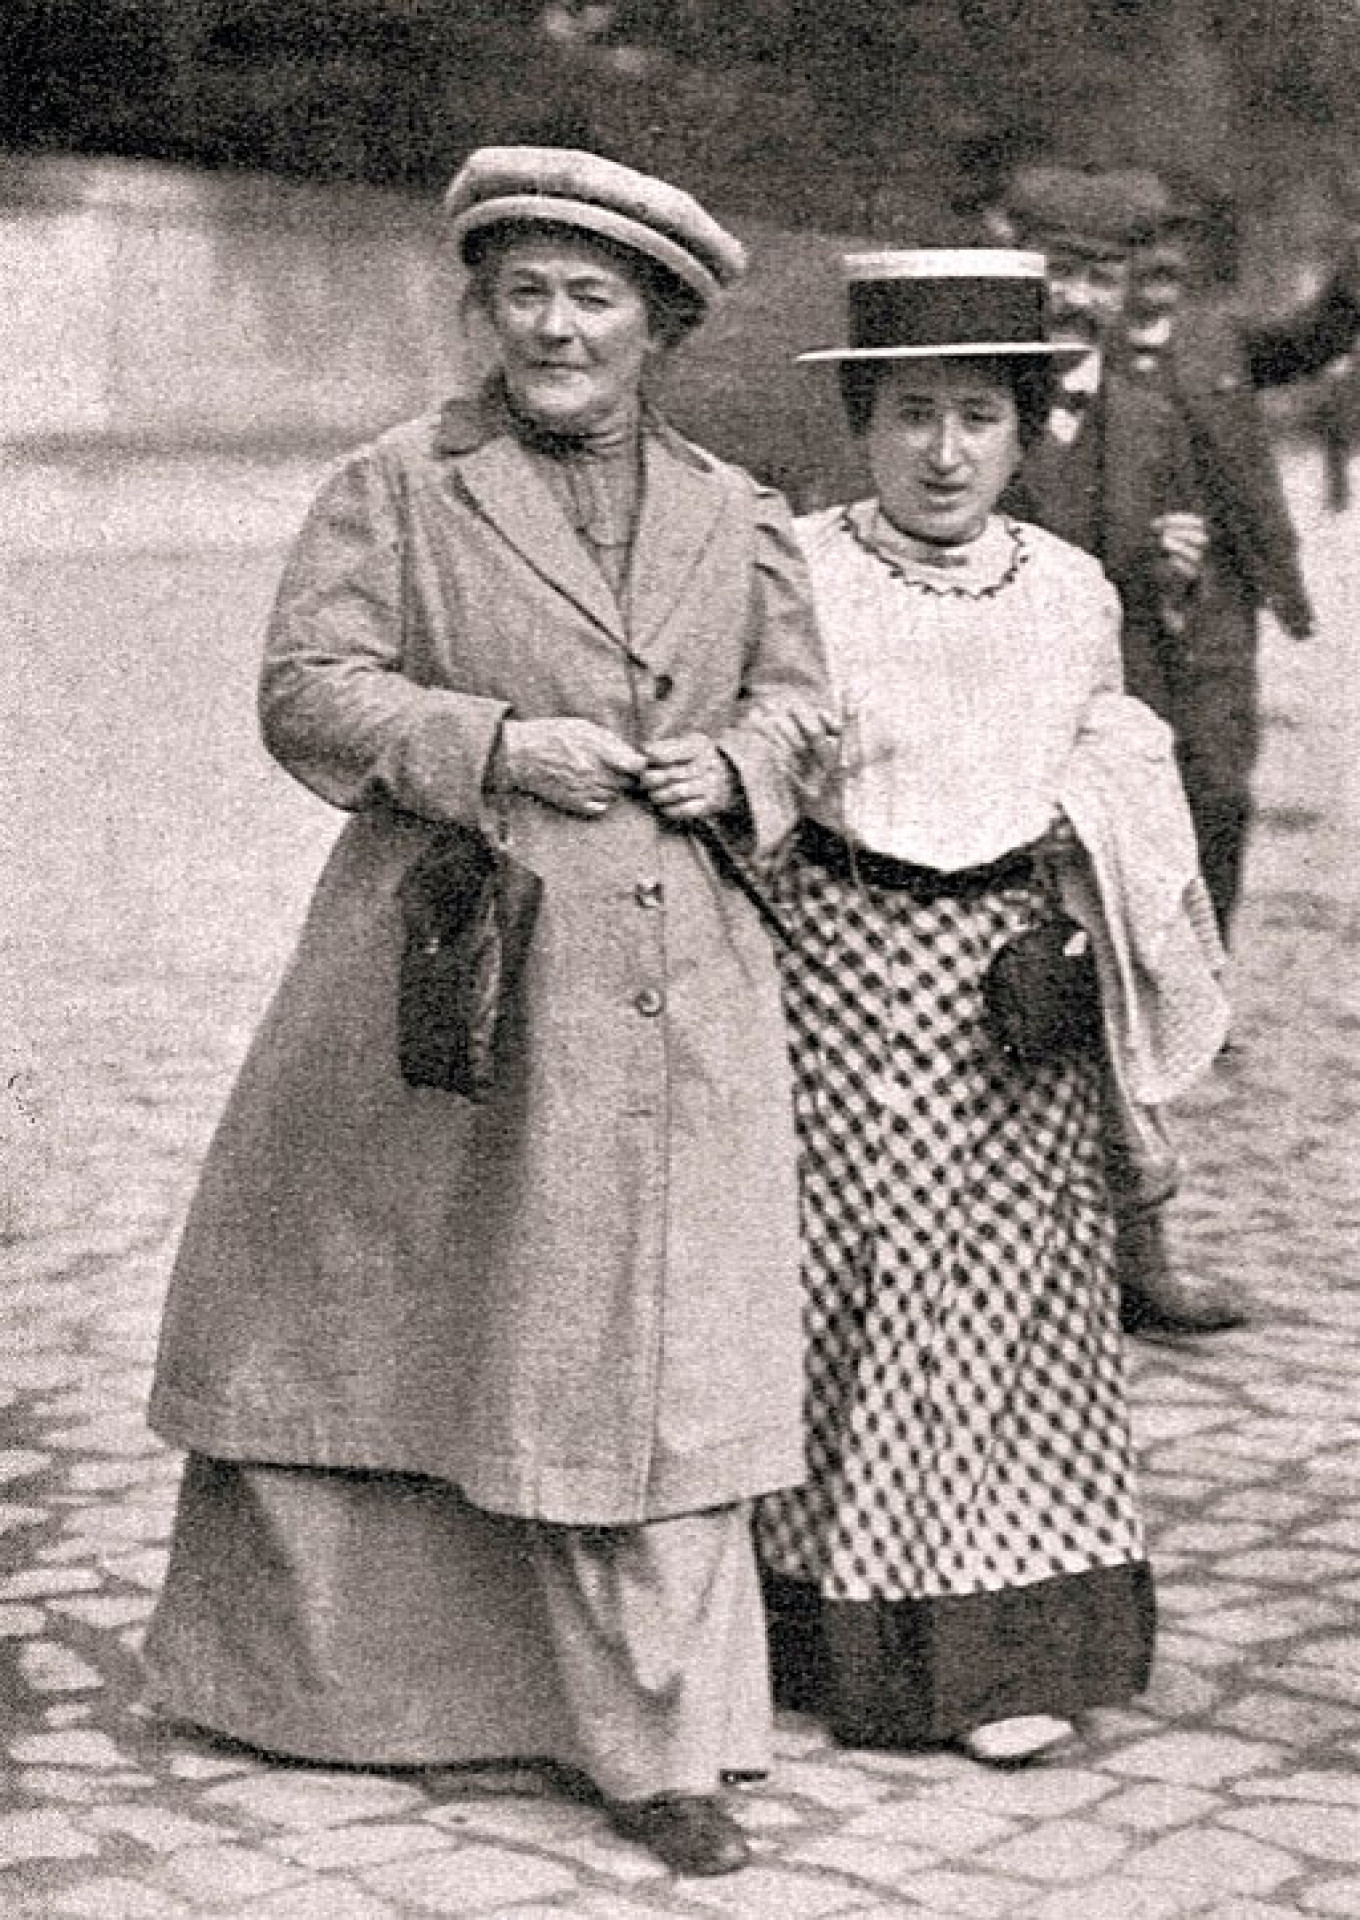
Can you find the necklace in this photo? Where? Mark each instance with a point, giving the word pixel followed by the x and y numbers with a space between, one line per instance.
pixel 902 554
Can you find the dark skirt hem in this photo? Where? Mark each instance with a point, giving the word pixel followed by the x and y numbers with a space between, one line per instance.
pixel 922 1673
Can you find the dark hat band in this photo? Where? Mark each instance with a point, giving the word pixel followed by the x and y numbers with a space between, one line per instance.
pixel 945 313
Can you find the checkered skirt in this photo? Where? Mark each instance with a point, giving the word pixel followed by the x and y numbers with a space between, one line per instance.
pixel 966 1413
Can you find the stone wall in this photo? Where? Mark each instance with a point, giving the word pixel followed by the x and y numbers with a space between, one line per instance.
pixel 155 306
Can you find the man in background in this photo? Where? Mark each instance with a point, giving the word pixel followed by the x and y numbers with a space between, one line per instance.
pixel 1213 369
pixel 1158 460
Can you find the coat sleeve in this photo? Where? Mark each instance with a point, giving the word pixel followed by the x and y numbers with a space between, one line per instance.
pixel 337 706
pixel 1308 341
pixel 785 677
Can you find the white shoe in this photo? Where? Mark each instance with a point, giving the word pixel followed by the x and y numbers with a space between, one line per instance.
pixel 1009 1743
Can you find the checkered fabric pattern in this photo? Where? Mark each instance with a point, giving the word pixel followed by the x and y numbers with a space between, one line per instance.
pixel 966 1413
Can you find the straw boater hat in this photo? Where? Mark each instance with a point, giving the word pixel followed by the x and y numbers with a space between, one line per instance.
pixel 924 302
pixel 561 187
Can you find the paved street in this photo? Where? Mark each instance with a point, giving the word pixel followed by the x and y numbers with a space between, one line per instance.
pixel 154 870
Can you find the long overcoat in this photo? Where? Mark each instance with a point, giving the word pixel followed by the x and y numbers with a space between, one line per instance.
pixel 579 1301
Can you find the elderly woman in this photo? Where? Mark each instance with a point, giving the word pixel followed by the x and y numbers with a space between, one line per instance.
pixel 477 1392
pixel 966 1561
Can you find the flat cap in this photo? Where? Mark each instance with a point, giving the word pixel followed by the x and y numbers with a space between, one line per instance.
pixel 562 186
pixel 1111 209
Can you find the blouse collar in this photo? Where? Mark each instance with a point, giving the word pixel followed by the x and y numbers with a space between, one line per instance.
pixel 974 568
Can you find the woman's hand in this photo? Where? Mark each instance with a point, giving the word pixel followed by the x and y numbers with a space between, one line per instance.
pixel 572 764
pixel 688 778
pixel 811 736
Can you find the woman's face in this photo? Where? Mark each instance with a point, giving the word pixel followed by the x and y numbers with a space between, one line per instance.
pixel 573 331
pixel 943 441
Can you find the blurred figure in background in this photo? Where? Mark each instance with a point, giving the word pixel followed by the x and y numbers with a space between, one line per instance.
pixel 1224 547
pixel 1335 419
pixel 1181 274
pixel 1113 473
pixel 1158 459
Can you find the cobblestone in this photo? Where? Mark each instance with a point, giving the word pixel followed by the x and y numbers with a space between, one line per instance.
pixel 1231 1790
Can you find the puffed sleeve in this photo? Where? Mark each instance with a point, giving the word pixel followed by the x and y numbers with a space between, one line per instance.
pixel 337 708
pixel 785 680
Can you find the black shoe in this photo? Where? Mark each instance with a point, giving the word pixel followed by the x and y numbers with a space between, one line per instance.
pixel 1155 1299
pixel 1179 1303
pixel 689 1832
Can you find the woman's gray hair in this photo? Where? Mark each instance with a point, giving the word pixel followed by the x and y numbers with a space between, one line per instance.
pixel 673 309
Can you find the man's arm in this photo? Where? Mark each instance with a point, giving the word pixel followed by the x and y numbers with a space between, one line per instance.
pixel 1310 340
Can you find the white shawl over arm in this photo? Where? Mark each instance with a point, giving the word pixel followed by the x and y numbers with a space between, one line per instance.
pixel 1142 900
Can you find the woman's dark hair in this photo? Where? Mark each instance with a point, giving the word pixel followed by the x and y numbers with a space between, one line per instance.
pixel 673 308
pixel 1030 380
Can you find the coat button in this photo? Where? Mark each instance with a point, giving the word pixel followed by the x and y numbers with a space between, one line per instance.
pixel 663 686
pixel 649 1001
pixel 648 893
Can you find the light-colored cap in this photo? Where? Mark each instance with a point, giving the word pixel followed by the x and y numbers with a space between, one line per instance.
pixel 563 186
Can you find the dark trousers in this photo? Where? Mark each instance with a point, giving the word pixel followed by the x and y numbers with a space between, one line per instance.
pixel 1213 707
pixel 1218 788
pixel 1140 1254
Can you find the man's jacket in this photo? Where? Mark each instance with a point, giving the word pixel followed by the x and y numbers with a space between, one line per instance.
pixel 1192 436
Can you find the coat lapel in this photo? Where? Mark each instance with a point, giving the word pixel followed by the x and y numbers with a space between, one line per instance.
pixel 682 501
pixel 506 490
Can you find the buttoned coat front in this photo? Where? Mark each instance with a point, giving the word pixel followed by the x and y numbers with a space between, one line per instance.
pixel 578 1301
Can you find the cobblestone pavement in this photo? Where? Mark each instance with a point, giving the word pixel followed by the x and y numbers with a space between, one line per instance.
pixel 154 871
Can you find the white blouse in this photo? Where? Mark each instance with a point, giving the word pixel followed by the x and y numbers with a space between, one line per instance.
pixel 960 682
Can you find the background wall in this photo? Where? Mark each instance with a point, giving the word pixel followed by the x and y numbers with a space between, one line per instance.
pixel 152 305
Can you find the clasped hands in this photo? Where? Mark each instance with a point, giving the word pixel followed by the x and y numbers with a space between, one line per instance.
pixel 583 768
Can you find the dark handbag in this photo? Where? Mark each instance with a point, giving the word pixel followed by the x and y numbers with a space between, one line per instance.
pixel 1041 993
pixel 469 912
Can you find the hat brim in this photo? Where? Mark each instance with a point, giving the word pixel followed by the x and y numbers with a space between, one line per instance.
pixel 964 350
pixel 556 210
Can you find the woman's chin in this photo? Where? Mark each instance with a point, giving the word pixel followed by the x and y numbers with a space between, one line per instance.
pixel 561 405
pixel 948 528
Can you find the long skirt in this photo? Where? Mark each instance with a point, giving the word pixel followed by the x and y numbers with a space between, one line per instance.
pixel 381 1620
pixel 967 1546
